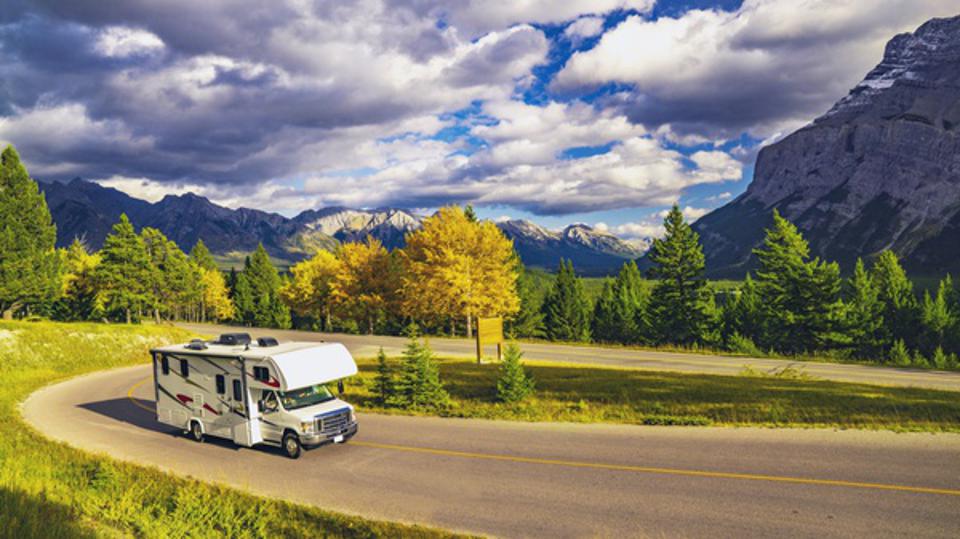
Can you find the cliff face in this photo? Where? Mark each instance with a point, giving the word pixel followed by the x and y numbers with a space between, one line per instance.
pixel 880 170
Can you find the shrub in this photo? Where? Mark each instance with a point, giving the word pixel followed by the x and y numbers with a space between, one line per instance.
pixel 419 386
pixel 514 384
pixel 899 355
pixel 739 344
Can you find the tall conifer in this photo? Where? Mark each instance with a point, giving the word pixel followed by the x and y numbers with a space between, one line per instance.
pixel 29 264
pixel 566 310
pixel 678 305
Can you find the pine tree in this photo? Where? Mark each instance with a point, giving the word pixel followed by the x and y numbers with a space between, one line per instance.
pixel 80 299
pixel 201 256
pixel 607 326
pixel 264 282
pixel 470 214
pixel 514 383
pixel 940 359
pixel 419 386
pixel 29 263
pixel 864 315
pixel 125 276
pixel 679 301
pixel 384 383
pixel 901 316
pixel 937 315
pixel 801 297
pixel 566 310
pixel 174 280
pixel 742 314
pixel 899 355
pixel 243 300
pixel 528 321
pixel 633 297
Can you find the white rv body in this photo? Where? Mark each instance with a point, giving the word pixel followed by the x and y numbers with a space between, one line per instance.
pixel 244 392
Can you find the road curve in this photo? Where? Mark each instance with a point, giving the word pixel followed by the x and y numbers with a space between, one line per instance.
pixel 552 480
pixel 367 346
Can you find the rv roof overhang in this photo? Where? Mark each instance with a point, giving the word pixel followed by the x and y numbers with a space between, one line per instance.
pixel 296 365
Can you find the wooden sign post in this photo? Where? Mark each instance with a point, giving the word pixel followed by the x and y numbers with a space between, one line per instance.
pixel 489 331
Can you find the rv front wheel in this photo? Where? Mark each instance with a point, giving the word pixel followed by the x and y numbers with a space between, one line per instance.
pixel 291 445
pixel 196 431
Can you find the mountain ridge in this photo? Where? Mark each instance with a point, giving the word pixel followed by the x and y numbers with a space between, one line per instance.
pixel 879 170
pixel 87 210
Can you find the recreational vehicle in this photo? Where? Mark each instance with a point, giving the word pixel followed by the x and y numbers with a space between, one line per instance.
pixel 255 392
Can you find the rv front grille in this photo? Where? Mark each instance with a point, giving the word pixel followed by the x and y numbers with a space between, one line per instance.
pixel 333 422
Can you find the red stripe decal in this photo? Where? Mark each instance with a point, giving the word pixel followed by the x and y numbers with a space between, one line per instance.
pixel 208 407
pixel 183 398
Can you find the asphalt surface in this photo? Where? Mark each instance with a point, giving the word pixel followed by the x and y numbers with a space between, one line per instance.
pixel 368 345
pixel 552 480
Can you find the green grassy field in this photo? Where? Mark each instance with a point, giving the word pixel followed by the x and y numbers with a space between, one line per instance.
pixel 592 394
pixel 48 489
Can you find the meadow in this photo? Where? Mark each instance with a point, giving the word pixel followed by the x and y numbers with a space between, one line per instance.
pixel 48 489
pixel 787 398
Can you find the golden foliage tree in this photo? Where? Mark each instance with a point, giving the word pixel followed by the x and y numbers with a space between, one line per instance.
pixel 216 303
pixel 366 285
pixel 459 268
pixel 309 291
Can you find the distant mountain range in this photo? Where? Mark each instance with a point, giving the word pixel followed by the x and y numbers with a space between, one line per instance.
pixel 87 210
pixel 880 170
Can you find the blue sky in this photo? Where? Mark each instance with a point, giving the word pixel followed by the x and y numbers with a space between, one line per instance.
pixel 602 111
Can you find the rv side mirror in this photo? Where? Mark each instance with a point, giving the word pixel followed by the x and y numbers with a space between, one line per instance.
pixel 340 386
pixel 260 406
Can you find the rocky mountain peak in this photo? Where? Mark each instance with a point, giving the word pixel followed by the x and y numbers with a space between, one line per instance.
pixel 880 170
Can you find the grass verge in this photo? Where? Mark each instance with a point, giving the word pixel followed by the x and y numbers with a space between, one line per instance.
pixel 788 398
pixel 48 489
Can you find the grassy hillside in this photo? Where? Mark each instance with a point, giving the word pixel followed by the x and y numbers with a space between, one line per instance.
pixel 48 489
pixel 595 394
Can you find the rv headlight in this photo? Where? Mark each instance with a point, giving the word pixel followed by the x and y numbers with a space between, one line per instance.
pixel 306 426
pixel 353 415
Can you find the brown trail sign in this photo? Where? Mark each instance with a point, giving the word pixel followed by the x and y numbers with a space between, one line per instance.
pixel 489 331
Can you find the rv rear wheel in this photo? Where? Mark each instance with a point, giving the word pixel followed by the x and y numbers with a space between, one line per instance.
pixel 291 445
pixel 196 431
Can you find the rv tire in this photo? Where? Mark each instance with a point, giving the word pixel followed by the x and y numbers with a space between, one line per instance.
pixel 291 445
pixel 196 431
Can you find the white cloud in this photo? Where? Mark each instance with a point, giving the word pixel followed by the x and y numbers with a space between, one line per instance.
pixel 584 27
pixel 481 16
pixel 767 65
pixel 122 41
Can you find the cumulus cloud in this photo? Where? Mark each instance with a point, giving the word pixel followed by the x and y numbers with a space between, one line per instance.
pixel 122 41
pixel 769 65
pixel 419 103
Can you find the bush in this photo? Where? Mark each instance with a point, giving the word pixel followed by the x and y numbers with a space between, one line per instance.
pixel 738 344
pixel 899 355
pixel 419 386
pixel 940 359
pixel 514 384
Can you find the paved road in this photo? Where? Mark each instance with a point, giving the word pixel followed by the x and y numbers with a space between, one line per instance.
pixel 367 346
pixel 554 480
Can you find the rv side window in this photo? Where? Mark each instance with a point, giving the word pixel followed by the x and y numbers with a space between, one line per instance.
pixel 165 365
pixel 184 368
pixel 221 384
pixel 261 374
pixel 237 391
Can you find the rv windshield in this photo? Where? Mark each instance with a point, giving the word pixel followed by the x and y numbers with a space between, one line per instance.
pixel 305 396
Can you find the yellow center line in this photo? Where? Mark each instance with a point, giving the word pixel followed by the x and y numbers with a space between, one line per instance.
pixel 654 470
pixel 134 400
pixel 626 467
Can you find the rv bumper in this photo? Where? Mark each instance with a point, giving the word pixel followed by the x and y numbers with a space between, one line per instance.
pixel 321 438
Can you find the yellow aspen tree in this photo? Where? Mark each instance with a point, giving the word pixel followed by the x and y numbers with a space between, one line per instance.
pixel 366 284
pixel 216 296
pixel 457 267
pixel 309 291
